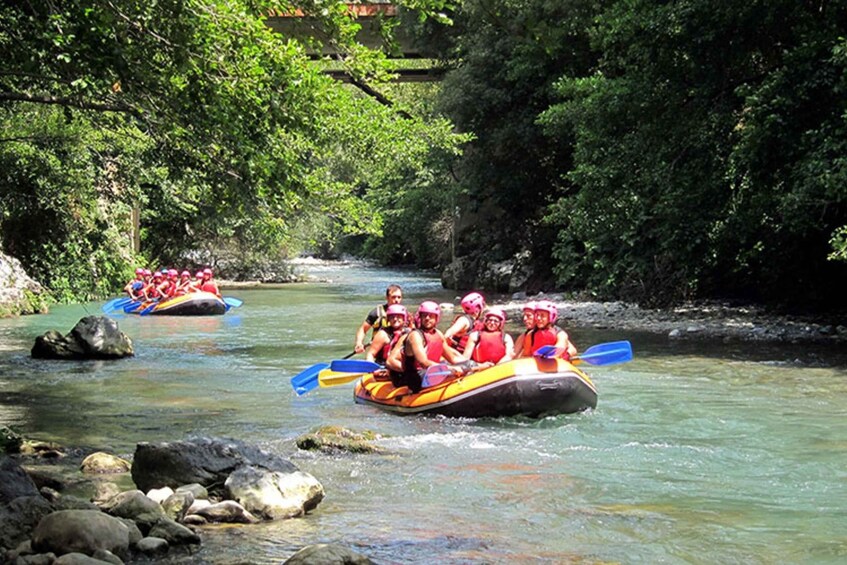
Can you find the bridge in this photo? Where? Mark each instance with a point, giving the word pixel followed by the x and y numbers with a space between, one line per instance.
pixel 370 17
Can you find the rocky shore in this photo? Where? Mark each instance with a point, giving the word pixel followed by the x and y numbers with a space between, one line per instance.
pixel 701 320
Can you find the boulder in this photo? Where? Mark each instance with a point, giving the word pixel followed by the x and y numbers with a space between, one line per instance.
pixel 19 517
pixel 80 531
pixel 176 505
pixel 133 504
pixel 93 337
pixel 14 481
pixel 334 439
pixel 100 462
pixel 274 495
pixel 227 511
pixel 205 461
pixel 327 554
pixel 460 274
pixel 19 294
pixel 174 533
pixel 152 546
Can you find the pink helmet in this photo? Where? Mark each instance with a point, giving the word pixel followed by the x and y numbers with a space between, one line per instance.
pixel 473 303
pixel 496 312
pixel 397 310
pixel 207 272
pixel 157 275
pixel 530 306
pixel 199 274
pixel 172 273
pixel 549 307
pixel 185 274
pixel 428 307
pixel 139 271
pixel 147 272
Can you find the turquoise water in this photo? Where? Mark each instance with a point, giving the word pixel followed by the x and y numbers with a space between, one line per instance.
pixel 696 453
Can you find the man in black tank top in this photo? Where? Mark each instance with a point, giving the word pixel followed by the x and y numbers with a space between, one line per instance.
pixel 376 317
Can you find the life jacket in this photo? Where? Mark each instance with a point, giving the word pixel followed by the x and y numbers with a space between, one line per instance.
pixel 460 341
pixel 490 347
pixel 539 338
pixel 381 322
pixel 209 286
pixel 382 354
pixel 434 345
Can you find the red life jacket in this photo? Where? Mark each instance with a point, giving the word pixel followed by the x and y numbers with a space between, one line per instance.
pixel 539 338
pixel 382 354
pixel 209 286
pixel 490 346
pixel 460 341
pixel 411 377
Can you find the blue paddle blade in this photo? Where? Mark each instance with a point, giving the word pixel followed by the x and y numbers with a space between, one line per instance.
pixel 607 353
pixel 435 375
pixel 132 307
pixel 307 380
pixel 354 366
pixel 149 309
pixel 233 302
pixel 547 352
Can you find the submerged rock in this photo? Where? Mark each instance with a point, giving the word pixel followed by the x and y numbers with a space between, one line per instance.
pixel 327 554
pixel 333 439
pixel 93 337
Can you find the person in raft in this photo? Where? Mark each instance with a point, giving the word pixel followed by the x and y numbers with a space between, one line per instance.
pixel 151 292
pixel 547 333
pixel 386 338
pixel 376 318
pixel 528 324
pixel 208 284
pixel 134 287
pixel 490 345
pixel 472 305
pixel 184 285
pixel 420 348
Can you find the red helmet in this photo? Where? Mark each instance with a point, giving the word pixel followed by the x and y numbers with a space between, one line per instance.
pixel 473 303
pixel 428 307
pixel 549 307
pixel 397 310
pixel 496 312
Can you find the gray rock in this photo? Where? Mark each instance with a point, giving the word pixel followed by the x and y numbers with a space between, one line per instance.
pixel 159 494
pixel 107 556
pixel 197 490
pixel 93 337
pixel 134 505
pixel 38 559
pixel 205 461
pixel 176 505
pixel 19 517
pixel 105 491
pixel 19 294
pixel 14 481
pixel 227 511
pixel 100 462
pixel 273 495
pixel 82 531
pixel 327 554
pixel 152 546
pixel 174 533
pixel 77 558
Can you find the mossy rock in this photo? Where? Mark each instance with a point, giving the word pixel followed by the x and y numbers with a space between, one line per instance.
pixel 10 440
pixel 334 439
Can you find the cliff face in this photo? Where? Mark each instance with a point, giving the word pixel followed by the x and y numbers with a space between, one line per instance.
pixel 19 294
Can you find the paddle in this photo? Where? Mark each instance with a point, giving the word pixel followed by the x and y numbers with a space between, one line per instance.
pixel 133 306
pixel 437 374
pixel 600 354
pixel 232 302
pixel 328 377
pixel 149 309
pixel 307 380
pixel 354 366
pixel 116 304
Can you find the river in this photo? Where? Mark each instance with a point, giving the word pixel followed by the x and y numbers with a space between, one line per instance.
pixel 695 453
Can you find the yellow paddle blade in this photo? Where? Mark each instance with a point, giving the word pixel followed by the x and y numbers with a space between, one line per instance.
pixel 328 377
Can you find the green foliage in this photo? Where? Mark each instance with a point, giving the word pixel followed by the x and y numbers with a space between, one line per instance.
pixel 221 131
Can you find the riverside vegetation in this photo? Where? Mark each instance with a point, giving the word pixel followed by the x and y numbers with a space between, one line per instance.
pixel 623 150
